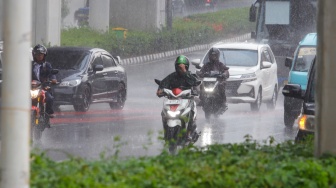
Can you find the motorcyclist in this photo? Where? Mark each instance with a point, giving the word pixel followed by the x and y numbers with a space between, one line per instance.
pixel 215 65
pixel 183 79
pixel 41 71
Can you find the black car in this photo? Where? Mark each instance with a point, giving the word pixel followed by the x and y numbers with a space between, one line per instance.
pixel 306 119
pixel 87 75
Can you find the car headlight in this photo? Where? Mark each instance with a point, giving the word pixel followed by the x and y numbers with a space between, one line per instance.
pixel 307 122
pixel 71 83
pixel 249 77
pixel 173 113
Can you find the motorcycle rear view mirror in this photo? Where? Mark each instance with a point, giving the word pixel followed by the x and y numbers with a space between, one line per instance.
pixel 54 71
pixel 196 63
pixel 158 82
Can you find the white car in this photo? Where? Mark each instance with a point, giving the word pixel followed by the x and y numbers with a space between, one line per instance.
pixel 253 73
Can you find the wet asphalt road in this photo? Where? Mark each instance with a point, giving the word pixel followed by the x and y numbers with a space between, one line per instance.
pixel 134 131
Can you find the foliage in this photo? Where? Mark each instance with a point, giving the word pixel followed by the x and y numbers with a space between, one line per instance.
pixel 192 30
pixel 248 164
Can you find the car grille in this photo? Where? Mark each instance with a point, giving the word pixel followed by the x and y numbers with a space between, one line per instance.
pixel 63 97
pixel 232 87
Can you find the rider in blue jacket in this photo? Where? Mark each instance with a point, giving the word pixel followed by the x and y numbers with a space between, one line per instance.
pixel 41 71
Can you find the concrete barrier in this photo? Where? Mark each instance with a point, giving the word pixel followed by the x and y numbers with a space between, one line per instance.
pixel 169 54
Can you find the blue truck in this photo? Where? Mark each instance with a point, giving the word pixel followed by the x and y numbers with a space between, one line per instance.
pixel 298 74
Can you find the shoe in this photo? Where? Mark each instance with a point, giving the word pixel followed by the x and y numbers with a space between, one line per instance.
pixel 51 115
pixel 224 108
pixel 48 126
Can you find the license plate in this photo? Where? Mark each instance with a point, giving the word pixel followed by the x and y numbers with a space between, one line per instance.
pixel 173 102
pixel 209 79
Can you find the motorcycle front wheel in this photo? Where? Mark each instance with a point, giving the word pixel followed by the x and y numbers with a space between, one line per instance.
pixel 172 138
pixel 36 133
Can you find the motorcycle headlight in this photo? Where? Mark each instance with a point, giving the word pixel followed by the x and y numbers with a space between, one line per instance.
pixel 209 89
pixel 249 77
pixel 173 113
pixel 71 83
pixel 34 93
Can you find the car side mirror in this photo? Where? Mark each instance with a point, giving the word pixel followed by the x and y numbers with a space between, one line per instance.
pixel 119 59
pixel 293 90
pixel 98 68
pixel 288 62
pixel 253 13
pixel 196 63
pixel 266 64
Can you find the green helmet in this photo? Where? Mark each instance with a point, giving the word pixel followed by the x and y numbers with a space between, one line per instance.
pixel 182 60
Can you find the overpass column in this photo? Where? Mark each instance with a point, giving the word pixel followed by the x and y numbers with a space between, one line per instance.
pixel 47 22
pixel 325 138
pixel 99 15
pixel 1 19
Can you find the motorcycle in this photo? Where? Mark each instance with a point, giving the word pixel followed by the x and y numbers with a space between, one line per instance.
pixel 178 116
pixel 212 100
pixel 210 4
pixel 39 118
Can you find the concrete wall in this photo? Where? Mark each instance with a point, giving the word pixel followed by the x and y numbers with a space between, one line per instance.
pixel 1 20
pixel 46 22
pixel 137 14
pixel 99 15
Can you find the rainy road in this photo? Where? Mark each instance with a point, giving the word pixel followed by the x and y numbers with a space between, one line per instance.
pixel 134 131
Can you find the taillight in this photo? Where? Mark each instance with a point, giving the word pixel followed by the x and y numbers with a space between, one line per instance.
pixel 173 107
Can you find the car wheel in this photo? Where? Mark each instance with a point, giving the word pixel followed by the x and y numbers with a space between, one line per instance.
pixel 300 136
pixel 121 98
pixel 272 103
pixel 86 100
pixel 256 105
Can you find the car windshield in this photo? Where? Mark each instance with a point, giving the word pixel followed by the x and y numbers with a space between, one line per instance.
pixel 304 59
pixel 237 57
pixel 68 59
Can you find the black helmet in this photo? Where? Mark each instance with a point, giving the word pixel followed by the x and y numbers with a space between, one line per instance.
pixel 182 60
pixel 39 49
pixel 214 54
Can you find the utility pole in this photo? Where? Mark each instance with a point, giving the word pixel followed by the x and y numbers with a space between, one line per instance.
pixel 325 138
pixel 15 102
pixel 169 14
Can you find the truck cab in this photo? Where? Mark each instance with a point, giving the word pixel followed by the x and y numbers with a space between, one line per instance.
pixel 282 23
pixel 306 120
pixel 298 74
